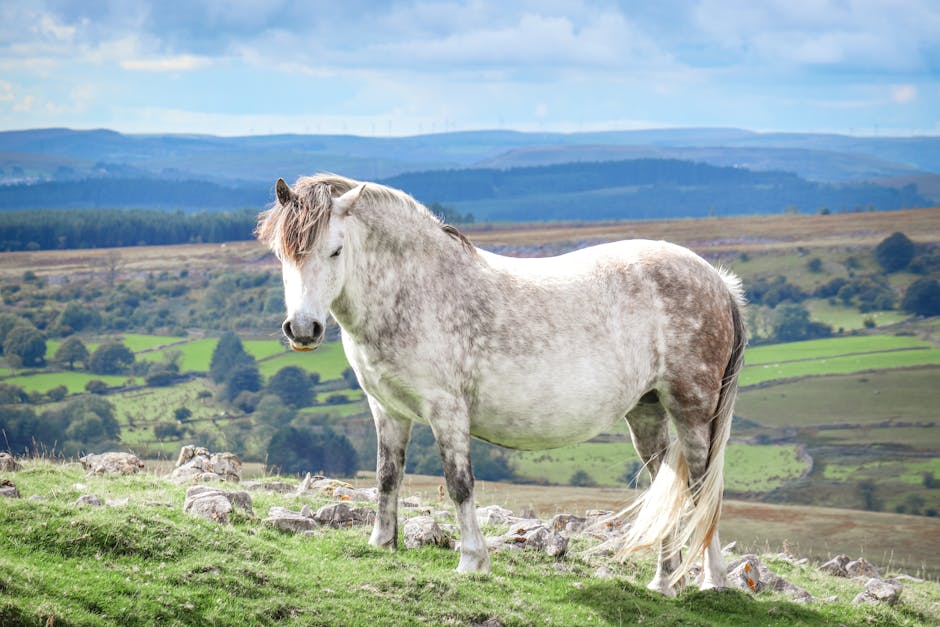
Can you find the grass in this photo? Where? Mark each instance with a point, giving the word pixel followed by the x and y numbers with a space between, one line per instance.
pixel 145 563
pixel 74 381
pixel 828 348
pixel 850 318
pixel 329 361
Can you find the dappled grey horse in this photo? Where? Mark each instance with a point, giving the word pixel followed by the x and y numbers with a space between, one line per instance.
pixel 524 353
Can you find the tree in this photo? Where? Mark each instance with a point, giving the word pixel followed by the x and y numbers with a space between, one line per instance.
pixel 182 414
pixel 12 394
pixel 228 355
pixel 791 323
pixel 293 386
pixel 71 350
pixel 895 252
pixel 581 478
pixel 244 378
pixel 75 318
pixel 8 322
pixel 295 450
pixel 26 346
pixel 922 298
pixel 111 358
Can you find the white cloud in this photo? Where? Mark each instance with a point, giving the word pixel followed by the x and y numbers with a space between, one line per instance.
pixel 904 94
pixel 178 63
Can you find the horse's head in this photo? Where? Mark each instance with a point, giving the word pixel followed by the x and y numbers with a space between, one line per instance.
pixel 308 234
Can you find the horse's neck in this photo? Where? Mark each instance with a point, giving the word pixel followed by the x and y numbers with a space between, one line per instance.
pixel 395 278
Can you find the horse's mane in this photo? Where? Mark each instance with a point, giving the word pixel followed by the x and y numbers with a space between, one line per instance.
pixel 291 230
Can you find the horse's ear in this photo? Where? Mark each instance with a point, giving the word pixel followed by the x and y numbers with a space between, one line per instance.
pixel 344 205
pixel 283 191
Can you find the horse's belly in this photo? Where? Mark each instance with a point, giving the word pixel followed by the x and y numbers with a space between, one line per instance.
pixel 522 414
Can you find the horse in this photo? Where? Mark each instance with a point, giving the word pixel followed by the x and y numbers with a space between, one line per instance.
pixel 524 353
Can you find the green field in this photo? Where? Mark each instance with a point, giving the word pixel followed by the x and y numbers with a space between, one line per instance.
pixel 75 382
pixel 850 318
pixel 329 361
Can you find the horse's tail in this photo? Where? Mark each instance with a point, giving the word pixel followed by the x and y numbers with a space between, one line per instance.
pixel 669 511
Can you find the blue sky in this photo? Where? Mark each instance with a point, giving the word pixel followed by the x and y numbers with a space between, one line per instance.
pixel 240 67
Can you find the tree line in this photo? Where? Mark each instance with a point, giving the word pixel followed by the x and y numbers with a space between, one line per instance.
pixel 51 229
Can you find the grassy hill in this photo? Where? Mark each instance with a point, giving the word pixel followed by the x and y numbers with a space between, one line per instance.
pixel 141 560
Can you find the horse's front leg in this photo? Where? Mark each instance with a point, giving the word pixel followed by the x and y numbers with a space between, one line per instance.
pixel 392 435
pixel 451 425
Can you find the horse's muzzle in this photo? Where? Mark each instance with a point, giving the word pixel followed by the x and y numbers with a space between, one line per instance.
pixel 303 337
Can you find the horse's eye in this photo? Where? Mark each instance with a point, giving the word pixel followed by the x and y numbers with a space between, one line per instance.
pixel 337 252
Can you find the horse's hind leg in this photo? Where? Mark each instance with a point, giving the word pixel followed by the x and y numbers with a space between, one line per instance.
pixel 393 435
pixel 694 429
pixel 649 430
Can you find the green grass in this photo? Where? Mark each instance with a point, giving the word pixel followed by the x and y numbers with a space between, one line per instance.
pixel 850 318
pixel 329 361
pixel 831 347
pixel 74 381
pixel 144 563
pixel 909 395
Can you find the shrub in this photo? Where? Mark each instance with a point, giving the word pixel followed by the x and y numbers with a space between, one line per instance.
pixel 582 478
pixel 922 298
pixel 25 346
pixel 895 252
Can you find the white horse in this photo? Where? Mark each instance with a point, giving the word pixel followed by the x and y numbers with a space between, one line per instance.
pixel 524 353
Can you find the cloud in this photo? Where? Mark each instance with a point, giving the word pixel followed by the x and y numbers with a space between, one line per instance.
pixel 903 94
pixel 178 63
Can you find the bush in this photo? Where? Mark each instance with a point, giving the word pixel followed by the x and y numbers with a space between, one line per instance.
pixel 581 478
pixel 25 346
pixel 96 386
pixel 922 298
pixel 296 450
pixel 895 252
pixel 110 358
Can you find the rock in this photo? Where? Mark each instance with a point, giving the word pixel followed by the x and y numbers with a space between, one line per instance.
pixel 215 505
pixel 197 464
pixel 493 515
pixel 749 573
pixel 537 537
pixel 8 463
pixel 280 487
pixel 8 489
pixel 411 502
pixel 318 485
pixel 568 523
pixel 341 515
pixel 861 568
pixel 836 566
pixel 878 591
pixel 423 531
pixel 602 572
pixel 355 494
pixel 88 499
pixel 287 520
pixel 116 463
pixel 730 547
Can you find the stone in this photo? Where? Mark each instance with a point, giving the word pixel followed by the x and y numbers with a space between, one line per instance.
pixel 424 531
pixel 749 573
pixel 879 592
pixel 318 485
pixel 836 566
pixel 343 493
pixel 537 537
pixel 197 464
pixel 89 499
pixel 342 515
pixel 8 463
pixel 568 523
pixel 215 505
pixel 493 515
pixel 861 568
pixel 279 487
pixel 287 520
pixel 8 489
pixel 112 463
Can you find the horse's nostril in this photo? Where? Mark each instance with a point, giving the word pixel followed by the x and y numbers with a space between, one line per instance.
pixel 288 332
pixel 317 330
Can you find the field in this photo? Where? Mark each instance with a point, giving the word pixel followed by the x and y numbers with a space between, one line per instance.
pixel 143 561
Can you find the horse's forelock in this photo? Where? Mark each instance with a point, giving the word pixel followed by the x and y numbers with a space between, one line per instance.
pixel 292 229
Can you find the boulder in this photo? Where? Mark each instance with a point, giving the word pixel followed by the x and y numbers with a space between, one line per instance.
pixel 281 487
pixel 423 531
pixel 197 464
pixel 750 573
pixel 288 520
pixel 536 536
pixel 112 463
pixel 89 499
pixel 836 566
pixel 343 493
pixel 494 515
pixel 8 463
pixel 318 485
pixel 861 568
pixel 216 505
pixel 342 515
pixel 568 523
pixel 8 489
pixel 879 592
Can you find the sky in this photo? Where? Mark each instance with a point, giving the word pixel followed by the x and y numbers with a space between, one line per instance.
pixel 243 67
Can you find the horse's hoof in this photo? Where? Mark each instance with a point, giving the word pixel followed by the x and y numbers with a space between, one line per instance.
pixel 474 564
pixel 390 543
pixel 662 587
